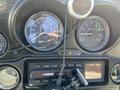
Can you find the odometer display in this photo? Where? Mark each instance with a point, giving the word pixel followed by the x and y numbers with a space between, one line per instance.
pixel 93 34
pixel 44 31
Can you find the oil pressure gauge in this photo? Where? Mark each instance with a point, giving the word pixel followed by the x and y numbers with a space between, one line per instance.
pixel 93 34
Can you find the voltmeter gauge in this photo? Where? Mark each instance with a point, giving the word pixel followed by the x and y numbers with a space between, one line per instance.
pixel 3 44
pixel 9 78
pixel 93 34
pixel 44 31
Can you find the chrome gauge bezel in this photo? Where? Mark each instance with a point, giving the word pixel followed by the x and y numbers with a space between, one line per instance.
pixel 76 15
pixel 113 73
pixel 5 43
pixel 18 77
pixel 103 44
pixel 61 30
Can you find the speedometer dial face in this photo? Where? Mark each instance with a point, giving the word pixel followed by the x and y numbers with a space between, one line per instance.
pixel 44 31
pixel 93 34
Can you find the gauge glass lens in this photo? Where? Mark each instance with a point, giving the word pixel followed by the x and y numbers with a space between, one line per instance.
pixel 3 44
pixel 80 8
pixel 115 73
pixel 9 77
pixel 44 31
pixel 93 34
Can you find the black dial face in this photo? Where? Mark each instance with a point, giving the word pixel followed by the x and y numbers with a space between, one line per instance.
pixel 44 31
pixel 3 44
pixel 93 34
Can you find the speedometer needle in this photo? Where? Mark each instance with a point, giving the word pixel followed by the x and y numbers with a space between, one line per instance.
pixel 85 34
pixel 39 35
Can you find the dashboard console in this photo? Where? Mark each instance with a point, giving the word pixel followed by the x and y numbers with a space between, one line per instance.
pixel 45 44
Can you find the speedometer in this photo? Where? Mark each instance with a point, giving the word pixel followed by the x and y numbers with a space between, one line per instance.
pixel 93 34
pixel 44 31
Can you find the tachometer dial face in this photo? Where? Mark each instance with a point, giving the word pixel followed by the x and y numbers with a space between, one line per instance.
pixel 93 34
pixel 3 44
pixel 44 31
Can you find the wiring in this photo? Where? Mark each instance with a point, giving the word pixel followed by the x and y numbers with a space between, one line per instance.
pixel 64 47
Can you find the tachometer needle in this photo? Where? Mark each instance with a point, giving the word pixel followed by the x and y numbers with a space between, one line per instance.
pixel 39 35
pixel 86 34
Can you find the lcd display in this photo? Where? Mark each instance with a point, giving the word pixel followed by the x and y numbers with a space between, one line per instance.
pixel 94 71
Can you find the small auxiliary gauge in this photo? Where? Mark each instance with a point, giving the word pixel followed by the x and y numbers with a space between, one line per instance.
pixel 3 44
pixel 80 8
pixel 115 73
pixel 93 34
pixel 9 78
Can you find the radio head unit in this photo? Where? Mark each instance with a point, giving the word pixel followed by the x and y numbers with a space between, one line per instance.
pixel 41 73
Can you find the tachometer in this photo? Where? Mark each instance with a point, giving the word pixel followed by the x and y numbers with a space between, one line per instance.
pixel 93 34
pixel 44 31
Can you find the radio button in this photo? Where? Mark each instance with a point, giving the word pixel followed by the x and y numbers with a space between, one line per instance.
pixel 34 82
pixel 54 66
pixel 44 81
pixel 70 65
pixel 38 66
pixel 46 66
pixel 79 65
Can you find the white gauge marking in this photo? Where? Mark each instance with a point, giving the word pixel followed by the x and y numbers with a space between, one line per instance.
pixel 86 34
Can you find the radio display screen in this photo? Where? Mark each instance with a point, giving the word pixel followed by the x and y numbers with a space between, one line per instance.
pixel 94 71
